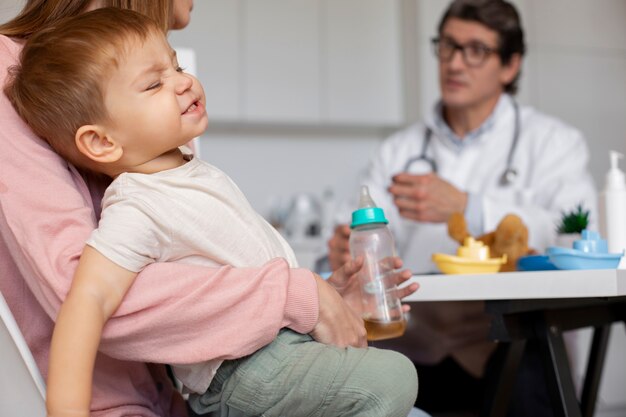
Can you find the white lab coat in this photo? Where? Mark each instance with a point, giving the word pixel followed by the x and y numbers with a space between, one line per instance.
pixel 551 159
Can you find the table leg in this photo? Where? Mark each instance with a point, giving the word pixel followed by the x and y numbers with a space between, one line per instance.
pixel 506 361
pixel 595 364
pixel 559 377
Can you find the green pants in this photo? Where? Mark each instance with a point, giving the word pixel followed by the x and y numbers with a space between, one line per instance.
pixel 295 376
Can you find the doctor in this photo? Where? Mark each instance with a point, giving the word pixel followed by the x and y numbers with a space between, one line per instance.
pixel 481 153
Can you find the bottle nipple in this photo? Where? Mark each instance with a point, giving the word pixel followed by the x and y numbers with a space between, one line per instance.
pixel 365 199
pixel 368 212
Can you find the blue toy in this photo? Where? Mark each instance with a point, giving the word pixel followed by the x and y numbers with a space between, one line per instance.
pixel 535 263
pixel 590 252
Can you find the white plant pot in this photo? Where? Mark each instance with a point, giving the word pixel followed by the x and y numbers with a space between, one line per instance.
pixel 566 240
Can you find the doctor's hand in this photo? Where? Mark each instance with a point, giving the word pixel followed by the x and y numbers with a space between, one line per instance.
pixel 346 281
pixel 338 324
pixel 338 248
pixel 426 198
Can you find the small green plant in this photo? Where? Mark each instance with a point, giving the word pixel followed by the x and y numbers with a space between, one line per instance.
pixel 574 221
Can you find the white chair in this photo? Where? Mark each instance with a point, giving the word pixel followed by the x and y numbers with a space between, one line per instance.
pixel 22 389
pixel 416 412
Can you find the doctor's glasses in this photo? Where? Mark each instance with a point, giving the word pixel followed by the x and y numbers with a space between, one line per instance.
pixel 474 53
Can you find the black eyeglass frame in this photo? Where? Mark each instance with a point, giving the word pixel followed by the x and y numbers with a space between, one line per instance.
pixel 485 50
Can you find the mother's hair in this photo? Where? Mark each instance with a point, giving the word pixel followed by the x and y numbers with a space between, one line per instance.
pixel 39 14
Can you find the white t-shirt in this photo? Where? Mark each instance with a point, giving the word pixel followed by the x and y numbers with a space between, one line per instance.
pixel 192 214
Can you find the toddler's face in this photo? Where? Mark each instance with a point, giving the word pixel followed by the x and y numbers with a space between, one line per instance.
pixel 153 105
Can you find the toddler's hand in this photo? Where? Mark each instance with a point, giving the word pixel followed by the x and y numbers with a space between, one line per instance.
pixel 338 247
pixel 346 282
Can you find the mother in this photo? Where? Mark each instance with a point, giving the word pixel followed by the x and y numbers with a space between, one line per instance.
pixel 174 313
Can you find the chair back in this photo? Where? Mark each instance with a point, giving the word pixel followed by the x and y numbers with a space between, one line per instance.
pixel 22 389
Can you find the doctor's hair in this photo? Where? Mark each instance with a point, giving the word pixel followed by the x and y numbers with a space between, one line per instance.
pixel 499 16
pixel 39 14
pixel 60 83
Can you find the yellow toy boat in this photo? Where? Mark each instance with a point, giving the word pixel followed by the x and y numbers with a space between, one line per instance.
pixel 472 258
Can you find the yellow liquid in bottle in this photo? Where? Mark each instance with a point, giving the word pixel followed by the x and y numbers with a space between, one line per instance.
pixel 381 330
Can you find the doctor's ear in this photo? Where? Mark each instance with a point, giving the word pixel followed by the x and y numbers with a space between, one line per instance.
pixel 511 69
pixel 92 141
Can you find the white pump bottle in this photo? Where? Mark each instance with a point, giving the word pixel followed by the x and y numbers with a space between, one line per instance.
pixel 613 206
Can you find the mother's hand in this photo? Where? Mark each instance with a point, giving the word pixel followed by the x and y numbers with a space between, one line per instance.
pixel 346 282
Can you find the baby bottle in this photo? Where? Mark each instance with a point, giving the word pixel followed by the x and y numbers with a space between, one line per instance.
pixel 371 239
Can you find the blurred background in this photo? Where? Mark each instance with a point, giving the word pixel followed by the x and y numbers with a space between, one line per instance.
pixel 301 92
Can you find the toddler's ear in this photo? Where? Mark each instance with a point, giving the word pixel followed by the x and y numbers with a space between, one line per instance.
pixel 92 141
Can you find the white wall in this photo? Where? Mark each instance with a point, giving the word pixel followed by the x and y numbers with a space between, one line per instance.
pixel 578 70
pixel 9 8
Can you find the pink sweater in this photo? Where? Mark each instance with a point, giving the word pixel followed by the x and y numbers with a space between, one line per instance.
pixel 173 313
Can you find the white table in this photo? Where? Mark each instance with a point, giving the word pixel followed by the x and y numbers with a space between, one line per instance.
pixel 520 285
pixel 539 305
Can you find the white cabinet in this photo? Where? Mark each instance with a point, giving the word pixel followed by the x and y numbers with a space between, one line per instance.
pixel 281 61
pixel 308 62
pixel 363 71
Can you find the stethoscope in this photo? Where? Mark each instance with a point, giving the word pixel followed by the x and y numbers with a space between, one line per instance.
pixel 423 164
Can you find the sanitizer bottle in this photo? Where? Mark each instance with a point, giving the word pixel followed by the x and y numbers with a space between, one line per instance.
pixel 372 239
pixel 613 207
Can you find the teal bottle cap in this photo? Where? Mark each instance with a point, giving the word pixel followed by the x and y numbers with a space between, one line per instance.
pixel 368 215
